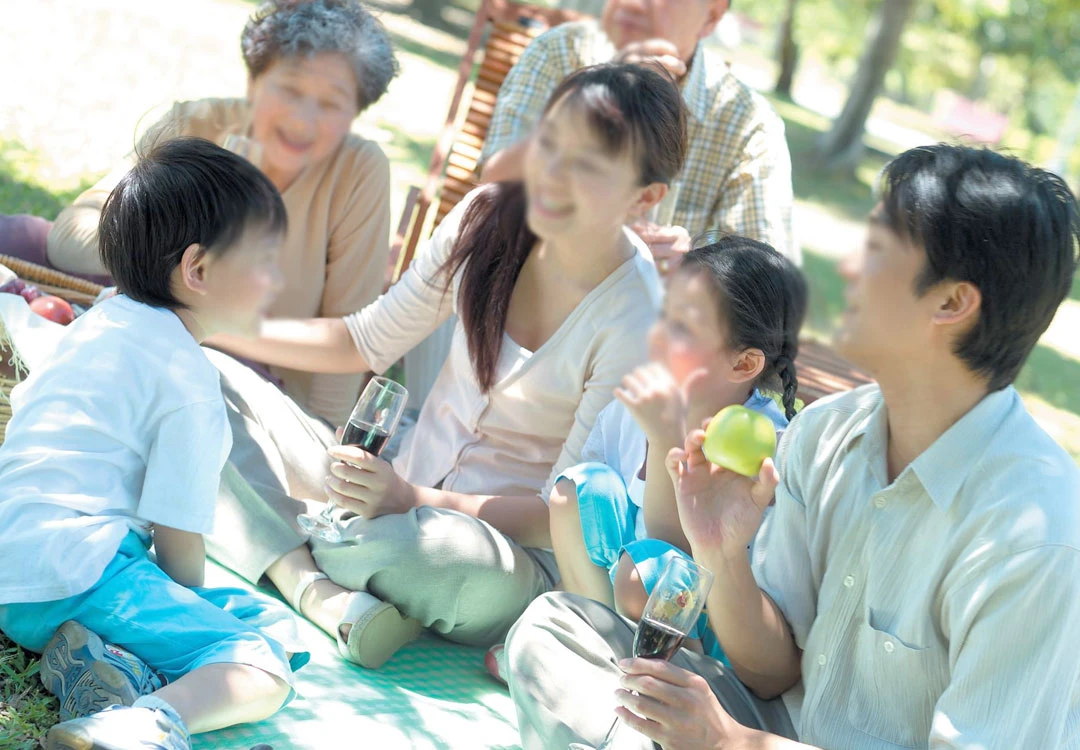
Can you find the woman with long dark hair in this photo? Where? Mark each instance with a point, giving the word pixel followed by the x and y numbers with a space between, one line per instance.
pixel 554 297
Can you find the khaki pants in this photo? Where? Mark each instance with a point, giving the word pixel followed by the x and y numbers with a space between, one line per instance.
pixel 456 574
pixel 563 656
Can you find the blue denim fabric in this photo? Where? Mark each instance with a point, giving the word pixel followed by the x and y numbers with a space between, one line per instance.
pixel 174 629
pixel 608 518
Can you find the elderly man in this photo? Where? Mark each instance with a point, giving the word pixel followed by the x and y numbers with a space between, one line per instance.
pixel 917 583
pixel 737 177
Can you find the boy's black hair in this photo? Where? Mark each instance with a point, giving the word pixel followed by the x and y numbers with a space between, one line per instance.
pixel 184 191
pixel 1008 228
pixel 761 296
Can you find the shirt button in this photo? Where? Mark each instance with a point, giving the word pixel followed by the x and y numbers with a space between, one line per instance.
pixel 822 659
pixel 879 502
pixel 849 581
pixel 889 647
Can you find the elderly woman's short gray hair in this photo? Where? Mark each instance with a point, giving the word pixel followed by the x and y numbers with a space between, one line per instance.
pixel 290 28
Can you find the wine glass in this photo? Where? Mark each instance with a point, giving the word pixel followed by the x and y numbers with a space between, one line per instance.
pixel 243 146
pixel 673 609
pixel 372 422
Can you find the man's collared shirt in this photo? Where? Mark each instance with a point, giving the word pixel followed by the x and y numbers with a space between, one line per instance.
pixel 737 175
pixel 942 609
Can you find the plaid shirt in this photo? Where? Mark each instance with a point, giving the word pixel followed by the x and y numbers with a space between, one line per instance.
pixel 737 176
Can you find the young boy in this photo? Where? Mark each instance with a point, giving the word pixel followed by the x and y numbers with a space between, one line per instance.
pixel 119 442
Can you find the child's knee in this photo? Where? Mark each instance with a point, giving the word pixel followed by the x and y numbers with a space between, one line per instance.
pixel 564 499
pixel 564 517
pixel 630 594
pixel 271 695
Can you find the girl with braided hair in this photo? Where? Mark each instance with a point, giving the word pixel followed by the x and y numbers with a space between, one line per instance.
pixel 730 325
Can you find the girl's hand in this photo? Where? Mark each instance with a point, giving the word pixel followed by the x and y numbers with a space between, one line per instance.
pixel 676 708
pixel 366 484
pixel 656 403
pixel 719 509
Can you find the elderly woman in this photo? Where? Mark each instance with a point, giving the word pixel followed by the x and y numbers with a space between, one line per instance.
pixel 313 67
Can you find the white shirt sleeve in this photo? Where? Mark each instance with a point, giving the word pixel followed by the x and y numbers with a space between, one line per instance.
pixel 781 559
pixel 595 448
pixel 413 307
pixel 183 468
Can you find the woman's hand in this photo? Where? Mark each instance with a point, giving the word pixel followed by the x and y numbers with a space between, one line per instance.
pixel 366 484
pixel 718 509
pixel 656 51
pixel 676 708
pixel 667 244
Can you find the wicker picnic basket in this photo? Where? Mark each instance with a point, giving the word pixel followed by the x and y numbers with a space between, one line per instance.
pixel 71 288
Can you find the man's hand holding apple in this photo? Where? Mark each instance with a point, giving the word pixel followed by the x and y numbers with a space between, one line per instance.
pixel 720 510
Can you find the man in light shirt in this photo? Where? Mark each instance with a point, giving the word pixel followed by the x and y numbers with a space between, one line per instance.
pixel 917 583
pixel 737 176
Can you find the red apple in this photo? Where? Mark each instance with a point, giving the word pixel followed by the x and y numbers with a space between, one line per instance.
pixel 53 308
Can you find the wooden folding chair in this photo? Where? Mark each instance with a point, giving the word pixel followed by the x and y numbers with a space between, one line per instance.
pixel 822 371
pixel 500 33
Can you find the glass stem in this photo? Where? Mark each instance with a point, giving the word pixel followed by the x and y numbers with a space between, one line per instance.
pixel 325 515
pixel 605 744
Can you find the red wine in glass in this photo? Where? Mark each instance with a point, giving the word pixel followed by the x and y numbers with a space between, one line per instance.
pixel 370 426
pixel 674 605
pixel 655 640
pixel 366 436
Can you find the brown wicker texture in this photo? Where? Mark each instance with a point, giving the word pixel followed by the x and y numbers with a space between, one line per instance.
pixel 50 281
pixel 500 33
pixel 505 44
pixel 71 288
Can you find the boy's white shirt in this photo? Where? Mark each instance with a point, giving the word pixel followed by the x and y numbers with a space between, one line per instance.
pixel 121 424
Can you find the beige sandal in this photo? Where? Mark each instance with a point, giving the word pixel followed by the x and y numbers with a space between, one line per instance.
pixel 376 628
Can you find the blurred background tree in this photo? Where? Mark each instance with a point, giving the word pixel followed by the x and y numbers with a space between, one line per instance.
pixel 1018 59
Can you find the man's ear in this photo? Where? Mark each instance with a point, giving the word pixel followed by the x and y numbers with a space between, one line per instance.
pixel 193 268
pixel 959 305
pixel 717 9
pixel 747 365
pixel 649 196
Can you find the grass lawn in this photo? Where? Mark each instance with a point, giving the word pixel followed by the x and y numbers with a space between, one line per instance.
pixel 26 711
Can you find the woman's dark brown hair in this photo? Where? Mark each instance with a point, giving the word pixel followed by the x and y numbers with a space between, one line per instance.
pixel 628 106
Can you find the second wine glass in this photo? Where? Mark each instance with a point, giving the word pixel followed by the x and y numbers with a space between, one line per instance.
pixel 372 422
pixel 673 608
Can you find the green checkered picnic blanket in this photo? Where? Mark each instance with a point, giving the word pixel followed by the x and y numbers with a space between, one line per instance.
pixel 432 694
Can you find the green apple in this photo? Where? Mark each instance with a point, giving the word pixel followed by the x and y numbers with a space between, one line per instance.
pixel 739 439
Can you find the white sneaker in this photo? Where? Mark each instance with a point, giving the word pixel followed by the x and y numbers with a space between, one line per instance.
pixel 122 728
